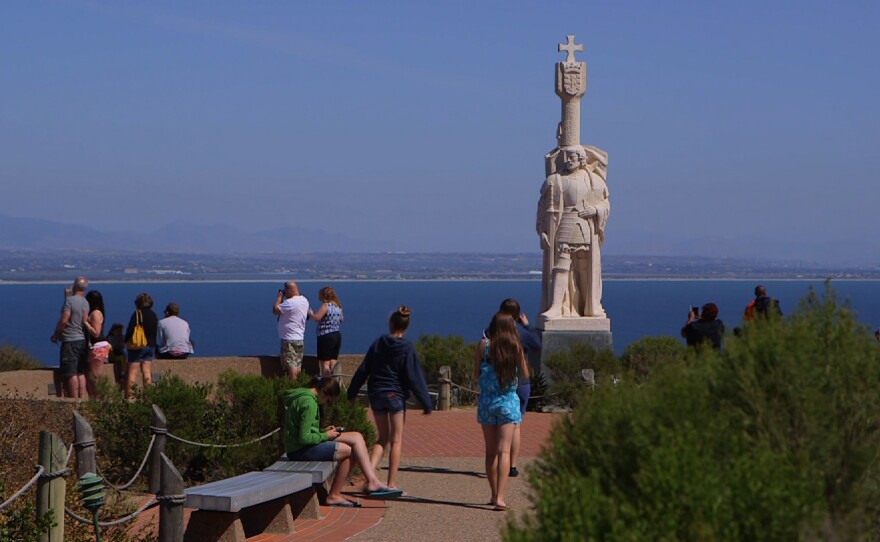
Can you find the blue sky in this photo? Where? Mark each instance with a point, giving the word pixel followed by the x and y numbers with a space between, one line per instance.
pixel 737 128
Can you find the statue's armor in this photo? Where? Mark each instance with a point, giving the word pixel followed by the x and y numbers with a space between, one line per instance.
pixel 577 193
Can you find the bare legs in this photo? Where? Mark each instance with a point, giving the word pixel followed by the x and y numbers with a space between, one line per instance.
pixel 351 448
pixel 138 369
pixel 514 445
pixel 327 367
pixel 96 368
pixel 390 428
pixel 498 439
pixel 72 387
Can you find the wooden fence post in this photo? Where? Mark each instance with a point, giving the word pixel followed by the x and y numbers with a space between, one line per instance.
pixel 84 443
pixel 170 509
pixel 443 399
pixel 282 418
pixel 159 428
pixel 51 490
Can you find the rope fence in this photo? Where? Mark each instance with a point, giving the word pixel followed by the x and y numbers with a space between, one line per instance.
pixel 41 473
pixel 112 523
pixel 139 471
pixel 204 445
pixel 23 490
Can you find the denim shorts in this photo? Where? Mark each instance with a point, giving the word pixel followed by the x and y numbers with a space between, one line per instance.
pixel 324 451
pixel 387 401
pixel 145 355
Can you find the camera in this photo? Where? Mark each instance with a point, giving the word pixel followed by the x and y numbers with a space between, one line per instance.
pixel 695 309
pixel 341 429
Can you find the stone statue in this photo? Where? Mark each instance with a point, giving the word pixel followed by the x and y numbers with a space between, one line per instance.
pixel 572 215
pixel 573 209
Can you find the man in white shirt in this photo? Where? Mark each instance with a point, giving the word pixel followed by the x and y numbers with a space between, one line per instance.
pixel 292 310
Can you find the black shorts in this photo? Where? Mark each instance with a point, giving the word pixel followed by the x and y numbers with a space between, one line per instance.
pixel 328 346
pixel 74 358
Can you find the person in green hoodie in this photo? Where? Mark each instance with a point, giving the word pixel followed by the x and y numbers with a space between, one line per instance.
pixel 305 441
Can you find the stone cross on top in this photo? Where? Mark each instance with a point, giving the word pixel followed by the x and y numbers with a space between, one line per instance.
pixel 570 48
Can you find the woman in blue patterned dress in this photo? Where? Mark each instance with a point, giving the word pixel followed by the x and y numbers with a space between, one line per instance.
pixel 329 318
pixel 500 360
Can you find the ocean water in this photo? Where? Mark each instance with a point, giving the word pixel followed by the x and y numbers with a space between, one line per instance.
pixel 235 318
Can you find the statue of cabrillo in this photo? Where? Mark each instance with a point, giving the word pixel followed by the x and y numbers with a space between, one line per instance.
pixel 574 207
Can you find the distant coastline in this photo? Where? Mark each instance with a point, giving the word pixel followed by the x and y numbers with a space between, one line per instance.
pixel 27 266
pixel 61 282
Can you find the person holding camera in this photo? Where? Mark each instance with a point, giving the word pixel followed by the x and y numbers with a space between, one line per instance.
pixel 292 309
pixel 703 325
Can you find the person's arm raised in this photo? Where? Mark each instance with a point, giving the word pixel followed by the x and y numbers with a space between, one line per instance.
pixel 278 300
pixel 480 349
pixel 317 316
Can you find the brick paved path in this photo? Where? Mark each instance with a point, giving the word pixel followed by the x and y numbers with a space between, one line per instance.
pixel 442 472
pixel 456 433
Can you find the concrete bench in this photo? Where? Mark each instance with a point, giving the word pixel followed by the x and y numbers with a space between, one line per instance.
pixel 319 470
pixel 233 509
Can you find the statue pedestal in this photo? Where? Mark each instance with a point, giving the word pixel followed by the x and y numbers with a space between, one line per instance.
pixel 559 334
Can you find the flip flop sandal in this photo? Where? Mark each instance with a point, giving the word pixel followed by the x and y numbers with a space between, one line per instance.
pixel 385 493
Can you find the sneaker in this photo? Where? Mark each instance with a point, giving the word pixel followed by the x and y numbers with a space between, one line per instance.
pixel 513 472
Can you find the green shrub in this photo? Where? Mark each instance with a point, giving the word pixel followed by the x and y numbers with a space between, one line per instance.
pixel 242 409
pixel 565 371
pixel 13 358
pixel 436 351
pixel 123 434
pixel 642 356
pixel 539 397
pixel 352 415
pixel 775 438
pixel 20 523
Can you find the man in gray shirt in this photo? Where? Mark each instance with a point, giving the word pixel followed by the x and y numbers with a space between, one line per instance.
pixel 74 344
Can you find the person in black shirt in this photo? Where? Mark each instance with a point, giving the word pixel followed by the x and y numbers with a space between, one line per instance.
pixel 703 325
pixel 763 305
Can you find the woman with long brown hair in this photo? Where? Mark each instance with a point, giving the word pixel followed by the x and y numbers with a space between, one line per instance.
pixel 500 362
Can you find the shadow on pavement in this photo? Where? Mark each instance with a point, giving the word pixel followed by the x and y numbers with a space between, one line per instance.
pixel 441 470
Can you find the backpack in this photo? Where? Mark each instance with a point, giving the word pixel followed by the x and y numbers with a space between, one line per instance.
pixel 138 336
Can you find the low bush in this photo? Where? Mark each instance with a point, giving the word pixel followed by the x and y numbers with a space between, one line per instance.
pixel 20 522
pixel 436 351
pixel 539 397
pixel 775 438
pixel 565 371
pixel 642 356
pixel 13 358
pixel 240 410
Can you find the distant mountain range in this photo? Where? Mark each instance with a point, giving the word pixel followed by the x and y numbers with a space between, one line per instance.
pixel 179 237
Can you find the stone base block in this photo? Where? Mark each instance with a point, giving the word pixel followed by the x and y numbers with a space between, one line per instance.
pixel 574 324
pixel 220 526
pixel 305 503
pixel 561 340
pixel 274 516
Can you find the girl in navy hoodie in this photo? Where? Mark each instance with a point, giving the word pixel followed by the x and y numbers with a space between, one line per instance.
pixel 392 371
